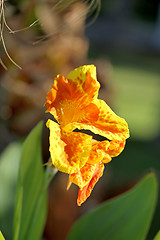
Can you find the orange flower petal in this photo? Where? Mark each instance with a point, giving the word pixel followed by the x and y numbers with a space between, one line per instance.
pixel 106 124
pixel 104 151
pixel 85 192
pixel 69 151
pixel 73 102
pixel 69 99
pixel 98 151
pixel 83 176
pixel 115 148
pixel 86 79
pixel 98 154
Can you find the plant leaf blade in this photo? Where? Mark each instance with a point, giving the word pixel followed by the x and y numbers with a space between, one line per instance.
pixel 31 195
pixel 127 216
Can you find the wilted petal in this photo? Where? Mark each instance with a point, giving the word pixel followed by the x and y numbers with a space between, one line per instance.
pixel 85 192
pixel 69 151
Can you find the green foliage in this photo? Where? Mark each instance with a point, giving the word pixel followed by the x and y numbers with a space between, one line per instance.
pixel 31 195
pixel 9 163
pixel 1 236
pixel 157 237
pixel 135 161
pixel 125 217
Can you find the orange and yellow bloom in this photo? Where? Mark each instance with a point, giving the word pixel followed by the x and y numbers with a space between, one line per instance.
pixel 74 103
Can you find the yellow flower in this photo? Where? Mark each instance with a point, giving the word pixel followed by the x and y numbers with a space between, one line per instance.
pixel 74 104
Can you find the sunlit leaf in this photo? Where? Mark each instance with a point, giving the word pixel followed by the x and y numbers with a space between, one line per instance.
pixel 31 195
pixel 1 236
pixel 157 237
pixel 127 216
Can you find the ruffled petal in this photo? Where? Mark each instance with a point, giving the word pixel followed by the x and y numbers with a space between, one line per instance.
pixel 70 99
pixel 83 176
pixel 98 154
pixel 85 77
pixel 98 151
pixel 114 149
pixel 85 191
pixel 69 151
pixel 106 124
pixel 73 102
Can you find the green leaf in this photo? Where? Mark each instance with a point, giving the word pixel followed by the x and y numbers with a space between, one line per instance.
pixel 1 236
pixel 9 164
pixel 31 195
pixel 127 216
pixel 157 237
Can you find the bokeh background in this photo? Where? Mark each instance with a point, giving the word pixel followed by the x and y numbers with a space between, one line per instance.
pixel 45 38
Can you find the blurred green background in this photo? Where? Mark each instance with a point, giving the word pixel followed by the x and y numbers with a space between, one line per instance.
pixel 124 43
